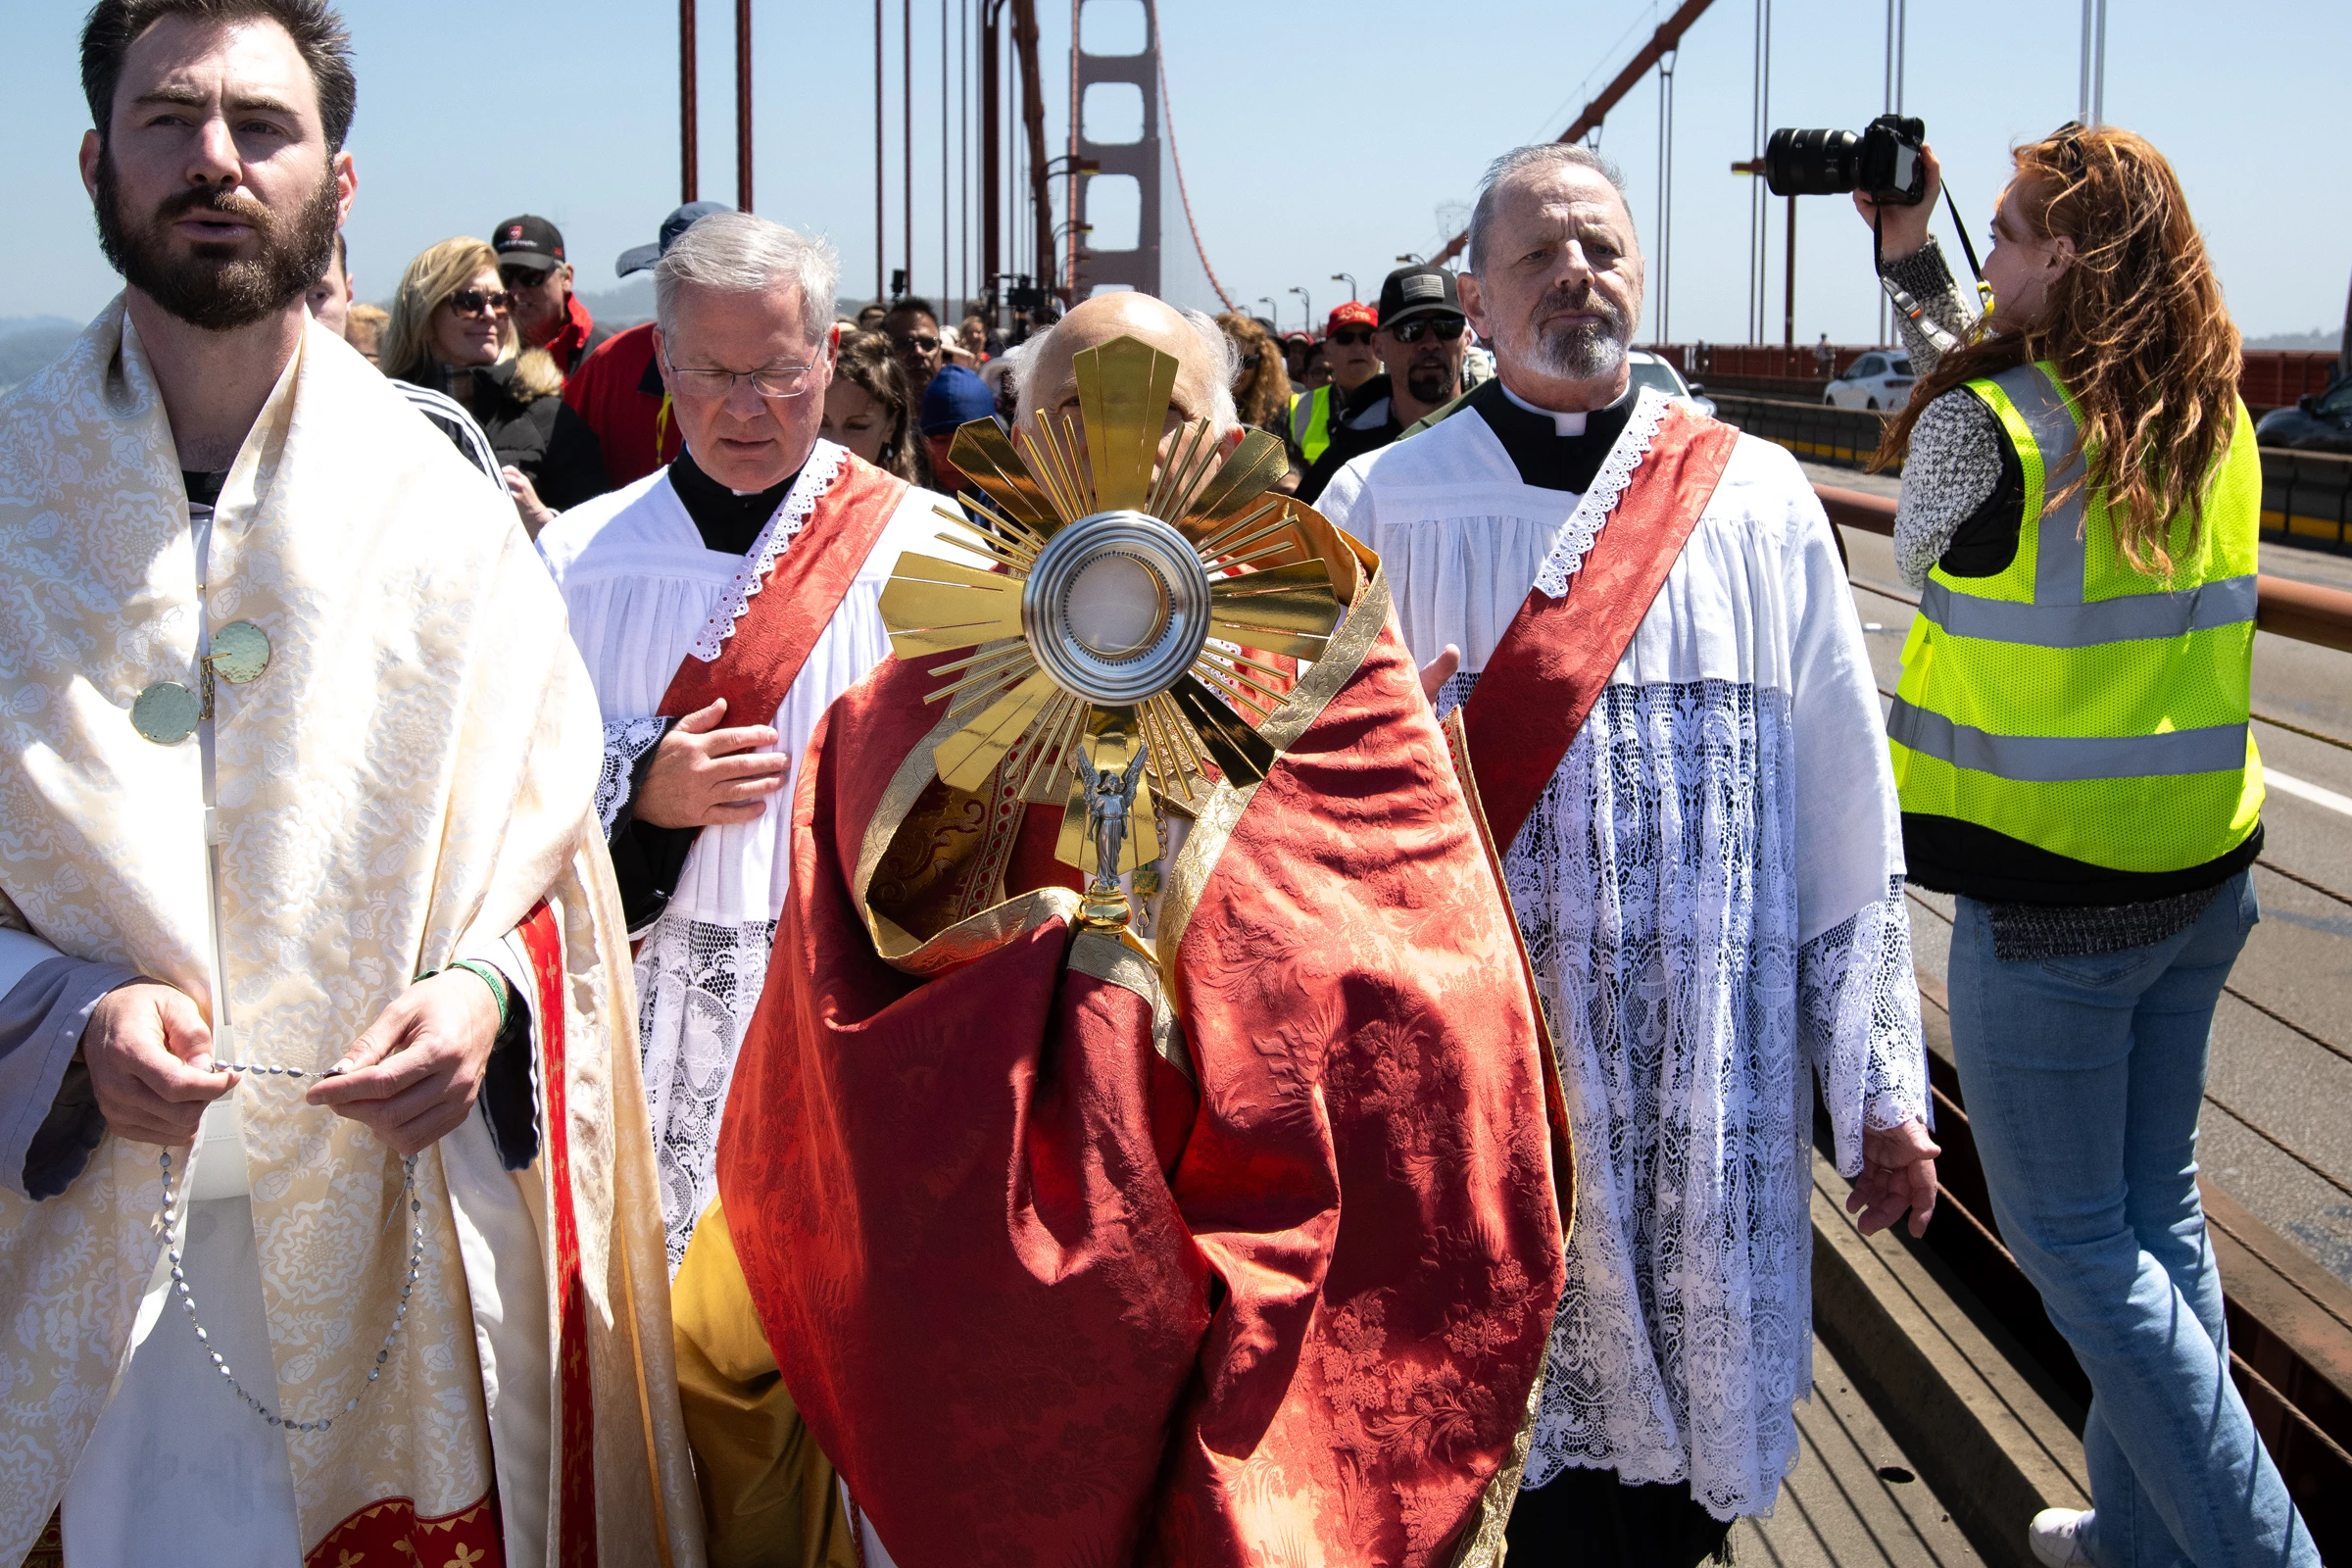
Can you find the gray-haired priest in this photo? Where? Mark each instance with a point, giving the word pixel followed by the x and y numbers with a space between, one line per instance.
pixel 1663 695
pixel 299 863
pixel 721 604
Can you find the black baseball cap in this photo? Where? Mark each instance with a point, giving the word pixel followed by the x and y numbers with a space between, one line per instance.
pixel 529 241
pixel 638 258
pixel 1422 290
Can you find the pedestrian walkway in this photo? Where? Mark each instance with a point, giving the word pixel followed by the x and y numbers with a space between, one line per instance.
pixel 1856 1500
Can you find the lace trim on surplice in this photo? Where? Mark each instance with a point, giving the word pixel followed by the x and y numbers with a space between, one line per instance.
pixel 1592 509
pixel 697 984
pixel 824 467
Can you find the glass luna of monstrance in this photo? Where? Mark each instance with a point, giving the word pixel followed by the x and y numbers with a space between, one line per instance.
pixel 1117 636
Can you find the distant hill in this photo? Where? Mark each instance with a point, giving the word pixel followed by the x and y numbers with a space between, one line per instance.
pixel 2323 340
pixel 29 342
pixel 632 302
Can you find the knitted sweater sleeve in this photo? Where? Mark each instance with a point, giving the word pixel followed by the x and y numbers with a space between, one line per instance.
pixel 1955 458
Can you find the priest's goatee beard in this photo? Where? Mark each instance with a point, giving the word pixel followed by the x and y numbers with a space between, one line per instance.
pixel 213 287
pixel 1579 351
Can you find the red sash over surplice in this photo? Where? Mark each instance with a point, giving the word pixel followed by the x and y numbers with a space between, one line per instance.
pixel 783 619
pixel 1557 653
pixel 1044 1309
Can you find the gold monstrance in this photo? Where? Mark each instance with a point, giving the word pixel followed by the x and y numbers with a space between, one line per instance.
pixel 1113 613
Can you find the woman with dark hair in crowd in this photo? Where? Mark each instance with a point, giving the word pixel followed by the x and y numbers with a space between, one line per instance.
pixel 451 331
pixel 867 410
pixel 1262 391
pixel 2081 502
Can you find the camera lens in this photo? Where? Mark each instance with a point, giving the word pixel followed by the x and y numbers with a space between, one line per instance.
pixel 1812 162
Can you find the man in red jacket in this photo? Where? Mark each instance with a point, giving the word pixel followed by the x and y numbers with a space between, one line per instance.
pixel 617 387
pixel 549 314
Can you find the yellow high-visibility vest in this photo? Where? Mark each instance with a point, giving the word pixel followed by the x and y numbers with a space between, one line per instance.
pixel 1310 421
pixel 2072 702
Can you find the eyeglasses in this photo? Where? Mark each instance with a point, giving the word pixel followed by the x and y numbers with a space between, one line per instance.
pixel 1445 328
pixel 524 277
pixel 774 382
pixel 1351 337
pixel 474 302
pixel 918 342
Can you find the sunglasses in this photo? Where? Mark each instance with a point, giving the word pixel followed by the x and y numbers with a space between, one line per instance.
pixel 524 277
pixel 2069 137
pixel 1444 328
pixel 918 342
pixel 474 302
pixel 1351 337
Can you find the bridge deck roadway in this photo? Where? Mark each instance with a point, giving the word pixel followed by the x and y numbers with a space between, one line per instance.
pixel 2277 1136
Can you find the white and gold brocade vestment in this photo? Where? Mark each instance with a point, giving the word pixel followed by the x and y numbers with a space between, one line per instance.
pixel 410 779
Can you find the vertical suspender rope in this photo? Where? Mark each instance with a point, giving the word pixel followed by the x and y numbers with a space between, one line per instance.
pixel 743 105
pixel 881 238
pixel 906 133
pixel 944 97
pixel 1665 230
pixel 1168 114
pixel 686 105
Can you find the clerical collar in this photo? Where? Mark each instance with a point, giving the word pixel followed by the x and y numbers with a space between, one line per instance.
pixel 1548 452
pixel 1561 423
pixel 729 521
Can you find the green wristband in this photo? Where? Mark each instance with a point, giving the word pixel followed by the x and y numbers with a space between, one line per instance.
pixel 490 977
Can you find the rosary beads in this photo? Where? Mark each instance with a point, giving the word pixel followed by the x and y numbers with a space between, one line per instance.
pixel 400 1313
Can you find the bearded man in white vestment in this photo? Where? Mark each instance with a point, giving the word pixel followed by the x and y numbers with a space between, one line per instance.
pixel 300 865
pixel 1706 862
pixel 721 604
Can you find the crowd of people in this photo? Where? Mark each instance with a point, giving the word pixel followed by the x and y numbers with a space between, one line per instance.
pixel 527 1036
pixel 559 409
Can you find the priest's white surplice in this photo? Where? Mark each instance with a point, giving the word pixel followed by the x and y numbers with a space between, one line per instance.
pixel 643 591
pixel 1711 892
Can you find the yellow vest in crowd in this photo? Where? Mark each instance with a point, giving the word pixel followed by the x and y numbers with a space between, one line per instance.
pixel 1310 421
pixel 2072 702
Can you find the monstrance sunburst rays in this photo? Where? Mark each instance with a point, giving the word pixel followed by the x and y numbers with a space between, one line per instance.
pixel 1111 607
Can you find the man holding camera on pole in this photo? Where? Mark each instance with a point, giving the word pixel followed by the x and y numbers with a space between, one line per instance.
pixel 1665 707
pixel 2081 499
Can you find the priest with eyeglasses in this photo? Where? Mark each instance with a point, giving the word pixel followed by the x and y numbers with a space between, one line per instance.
pixel 721 604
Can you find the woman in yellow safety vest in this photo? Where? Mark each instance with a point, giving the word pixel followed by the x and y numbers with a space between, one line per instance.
pixel 2080 500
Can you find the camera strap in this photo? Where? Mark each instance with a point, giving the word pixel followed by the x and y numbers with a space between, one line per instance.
pixel 1966 249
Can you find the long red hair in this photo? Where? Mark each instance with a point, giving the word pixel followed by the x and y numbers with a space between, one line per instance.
pixel 2136 327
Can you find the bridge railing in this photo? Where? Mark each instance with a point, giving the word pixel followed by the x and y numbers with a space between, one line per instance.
pixel 2306 496
pixel 2268 379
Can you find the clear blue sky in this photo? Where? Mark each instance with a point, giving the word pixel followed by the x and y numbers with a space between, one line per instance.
pixel 1319 136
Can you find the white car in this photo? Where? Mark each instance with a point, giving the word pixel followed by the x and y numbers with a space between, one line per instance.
pixel 1651 370
pixel 1877 380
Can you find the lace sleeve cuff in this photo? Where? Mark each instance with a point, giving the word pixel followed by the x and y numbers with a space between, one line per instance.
pixel 1858 1018
pixel 628 747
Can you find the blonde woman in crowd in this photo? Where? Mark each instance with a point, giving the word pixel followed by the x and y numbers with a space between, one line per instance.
pixel 451 332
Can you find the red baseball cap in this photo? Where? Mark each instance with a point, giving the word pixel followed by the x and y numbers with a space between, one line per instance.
pixel 1355 313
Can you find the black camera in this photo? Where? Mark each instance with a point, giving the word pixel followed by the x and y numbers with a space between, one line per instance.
pixel 1883 162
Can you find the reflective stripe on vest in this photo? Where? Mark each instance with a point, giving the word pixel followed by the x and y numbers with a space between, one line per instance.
pixel 1310 421
pixel 2220 603
pixel 2069 700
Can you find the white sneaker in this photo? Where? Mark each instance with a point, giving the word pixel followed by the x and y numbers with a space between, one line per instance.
pixel 2056 1537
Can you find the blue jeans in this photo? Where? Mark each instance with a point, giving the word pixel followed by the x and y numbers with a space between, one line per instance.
pixel 2083 1078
